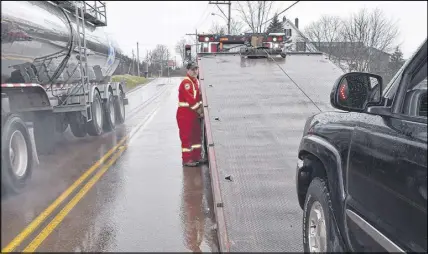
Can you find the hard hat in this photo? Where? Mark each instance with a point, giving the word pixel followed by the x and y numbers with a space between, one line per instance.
pixel 192 65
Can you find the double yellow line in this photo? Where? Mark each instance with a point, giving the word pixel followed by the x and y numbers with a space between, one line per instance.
pixel 116 151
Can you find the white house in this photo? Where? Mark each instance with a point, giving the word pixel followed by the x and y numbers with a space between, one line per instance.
pixel 297 41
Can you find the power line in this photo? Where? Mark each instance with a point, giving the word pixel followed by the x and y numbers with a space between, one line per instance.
pixel 282 12
pixel 203 16
pixel 294 82
pixel 276 14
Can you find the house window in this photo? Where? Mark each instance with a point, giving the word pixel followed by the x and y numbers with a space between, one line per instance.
pixel 287 32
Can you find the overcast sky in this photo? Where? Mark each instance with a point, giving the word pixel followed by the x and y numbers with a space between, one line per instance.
pixel 159 22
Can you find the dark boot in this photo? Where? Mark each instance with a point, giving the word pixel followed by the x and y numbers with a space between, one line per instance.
pixel 190 164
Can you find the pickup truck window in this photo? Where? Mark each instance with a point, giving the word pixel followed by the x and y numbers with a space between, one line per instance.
pixel 415 103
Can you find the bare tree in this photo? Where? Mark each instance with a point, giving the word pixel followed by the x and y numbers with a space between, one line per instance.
pixel 235 28
pixel 255 14
pixel 159 57
pixel 358 43
pixel 180 49
pixel 374 34
pixel 217 29
pixel 325 32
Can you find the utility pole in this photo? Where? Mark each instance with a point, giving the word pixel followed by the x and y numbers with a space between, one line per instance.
pixel 229 3
pixel 133 63
pixel 138 60
pixel 146 69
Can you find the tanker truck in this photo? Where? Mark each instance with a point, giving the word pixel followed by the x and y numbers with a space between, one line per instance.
pixel 56 68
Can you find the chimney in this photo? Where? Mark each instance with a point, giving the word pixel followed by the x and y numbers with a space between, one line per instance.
pixel 284 19
pixel 296 22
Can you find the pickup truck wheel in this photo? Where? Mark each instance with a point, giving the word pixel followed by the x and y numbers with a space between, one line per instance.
pixel 317 218
pixel 95 126
pixel 16 154
pixel 109 113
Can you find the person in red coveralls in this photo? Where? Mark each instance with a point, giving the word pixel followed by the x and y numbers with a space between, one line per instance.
pixel 189 112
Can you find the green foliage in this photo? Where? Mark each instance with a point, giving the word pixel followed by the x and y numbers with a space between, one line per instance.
pixel 131 81
pixel 275 26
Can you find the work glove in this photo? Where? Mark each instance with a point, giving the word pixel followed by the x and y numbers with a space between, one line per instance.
pixel 200 111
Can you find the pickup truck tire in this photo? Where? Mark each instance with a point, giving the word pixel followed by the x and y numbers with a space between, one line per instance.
pixel 317 219
pixel 109 113
pixel 16 145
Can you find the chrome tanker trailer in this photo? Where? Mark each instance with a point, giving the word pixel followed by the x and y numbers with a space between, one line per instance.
pixel 56 67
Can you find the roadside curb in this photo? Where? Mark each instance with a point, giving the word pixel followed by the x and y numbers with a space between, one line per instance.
pixel 223 239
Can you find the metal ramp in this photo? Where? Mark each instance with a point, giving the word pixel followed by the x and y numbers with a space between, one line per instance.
pixel 254 130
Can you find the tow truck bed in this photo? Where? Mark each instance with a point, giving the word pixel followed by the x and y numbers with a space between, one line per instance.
pixel 260 116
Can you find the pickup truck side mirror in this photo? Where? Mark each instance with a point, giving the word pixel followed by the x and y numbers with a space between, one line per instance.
pixel 354 91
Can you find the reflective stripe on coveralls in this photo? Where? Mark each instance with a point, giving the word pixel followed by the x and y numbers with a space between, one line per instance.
pixel 185 105
pixel 193 86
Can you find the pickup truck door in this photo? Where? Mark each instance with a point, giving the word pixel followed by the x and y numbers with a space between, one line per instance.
pixel 386 179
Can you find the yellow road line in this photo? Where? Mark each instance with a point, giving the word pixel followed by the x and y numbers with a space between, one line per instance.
pixel 36 222
pixel 42 217
pixel 61 215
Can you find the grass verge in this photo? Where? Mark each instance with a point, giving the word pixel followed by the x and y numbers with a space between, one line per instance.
pixel 131 81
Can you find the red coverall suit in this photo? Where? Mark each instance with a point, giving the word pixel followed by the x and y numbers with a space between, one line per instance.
pixel 189 99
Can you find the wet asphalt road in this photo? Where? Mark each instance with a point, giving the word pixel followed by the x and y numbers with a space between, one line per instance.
pixel 146 201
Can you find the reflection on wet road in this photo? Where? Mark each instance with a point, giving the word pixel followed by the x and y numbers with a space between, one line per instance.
pixel 145 202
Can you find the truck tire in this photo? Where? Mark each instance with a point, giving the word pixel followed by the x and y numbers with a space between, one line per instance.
pixel 317 218
pixel 109 113
pixel 44 133
pixel 16 154
pixel 61 123
pixel 77 124
pixel 95 126
pixel 120 108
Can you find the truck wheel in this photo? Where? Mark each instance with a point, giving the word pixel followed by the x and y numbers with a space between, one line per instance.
pixel 95 126
pixel 109 111
pixel 317 218
pixel 16 154
pixel 61 123
pixel 120 108
pixel 44 133
pixel 77 124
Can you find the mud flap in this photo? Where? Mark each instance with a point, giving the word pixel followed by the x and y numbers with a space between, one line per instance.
pixel 30 128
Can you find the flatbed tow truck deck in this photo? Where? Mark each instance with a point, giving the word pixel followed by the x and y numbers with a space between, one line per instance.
pixel 255 111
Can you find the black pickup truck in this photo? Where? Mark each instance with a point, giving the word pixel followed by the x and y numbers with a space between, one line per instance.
pixel 362 171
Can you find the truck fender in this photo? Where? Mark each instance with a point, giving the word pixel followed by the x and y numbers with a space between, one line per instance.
pixel 30 128
pixel 330 158
pixel 94 89
pixel 117 86
pixel 103 89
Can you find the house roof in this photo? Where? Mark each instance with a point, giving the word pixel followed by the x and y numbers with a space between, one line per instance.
pixel 309 45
